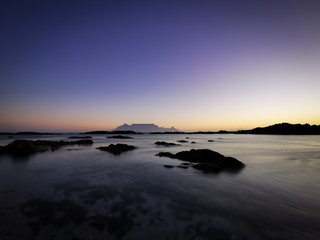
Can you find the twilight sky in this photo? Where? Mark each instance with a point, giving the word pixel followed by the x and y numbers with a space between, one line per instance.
pixel 195 65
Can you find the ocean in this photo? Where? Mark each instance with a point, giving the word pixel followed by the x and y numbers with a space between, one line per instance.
pixel 80 192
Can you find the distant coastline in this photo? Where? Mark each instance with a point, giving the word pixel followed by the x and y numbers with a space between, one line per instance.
pixel 276 129
pixel 284 129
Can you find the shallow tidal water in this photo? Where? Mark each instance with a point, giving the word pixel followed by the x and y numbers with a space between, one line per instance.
pixel 80 192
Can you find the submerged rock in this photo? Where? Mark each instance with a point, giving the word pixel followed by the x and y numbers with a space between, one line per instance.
pixel 27 147
pixel 117 149
pixel 166 144
pixel 120 137
pixel 206 160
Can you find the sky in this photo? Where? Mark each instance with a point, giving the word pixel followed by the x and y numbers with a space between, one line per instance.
pixel 194 65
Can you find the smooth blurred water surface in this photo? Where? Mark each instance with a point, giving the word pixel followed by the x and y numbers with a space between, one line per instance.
pixel 79 192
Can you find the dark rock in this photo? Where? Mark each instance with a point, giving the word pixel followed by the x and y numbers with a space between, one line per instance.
pixel 165 154
pixel 207 167
pixel 223 132
pixel 120 137
pixel 182 141
pixel 285 129
pixel 19 147
pixel 117 149
pixel 199 156
pixel 231 163
pixel 206 160
pixel 210 140
pixel 27 147
pixel 168 166
pixel 193 142
pixel 166 144
pixel 81 142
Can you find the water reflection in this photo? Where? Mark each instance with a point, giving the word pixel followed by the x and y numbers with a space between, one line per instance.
pixel 87 193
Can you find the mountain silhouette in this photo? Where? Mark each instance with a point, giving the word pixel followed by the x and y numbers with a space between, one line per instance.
pixel 144 127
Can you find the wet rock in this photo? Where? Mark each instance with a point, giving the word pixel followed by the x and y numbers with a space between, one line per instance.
pixel 199 156
pixel 182 141
pixel 168 166
pixel 193 142
pixel 165 154
pixel 120 137
pixel 166 144
pixel 207 167
pixel 27 147
pixel 19 147
pixel 117 149
pixel 210 140
pixel 206 160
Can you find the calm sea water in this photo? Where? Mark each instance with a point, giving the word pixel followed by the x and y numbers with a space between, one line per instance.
pixel 79 192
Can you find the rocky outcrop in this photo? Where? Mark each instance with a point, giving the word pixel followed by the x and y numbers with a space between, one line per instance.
pixel 27 147
pixel 117 149
pixel 206 160
pixel 285 129
pixel 166 144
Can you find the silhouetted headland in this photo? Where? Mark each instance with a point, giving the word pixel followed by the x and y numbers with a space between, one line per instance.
pixel 206 160
pixel 285 129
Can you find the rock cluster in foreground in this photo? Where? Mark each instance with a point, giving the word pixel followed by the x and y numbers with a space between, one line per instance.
pixel 27 147
pixel 117 149
pixel 206 160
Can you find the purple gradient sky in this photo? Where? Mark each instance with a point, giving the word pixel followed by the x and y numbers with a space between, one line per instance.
pixel 195 65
